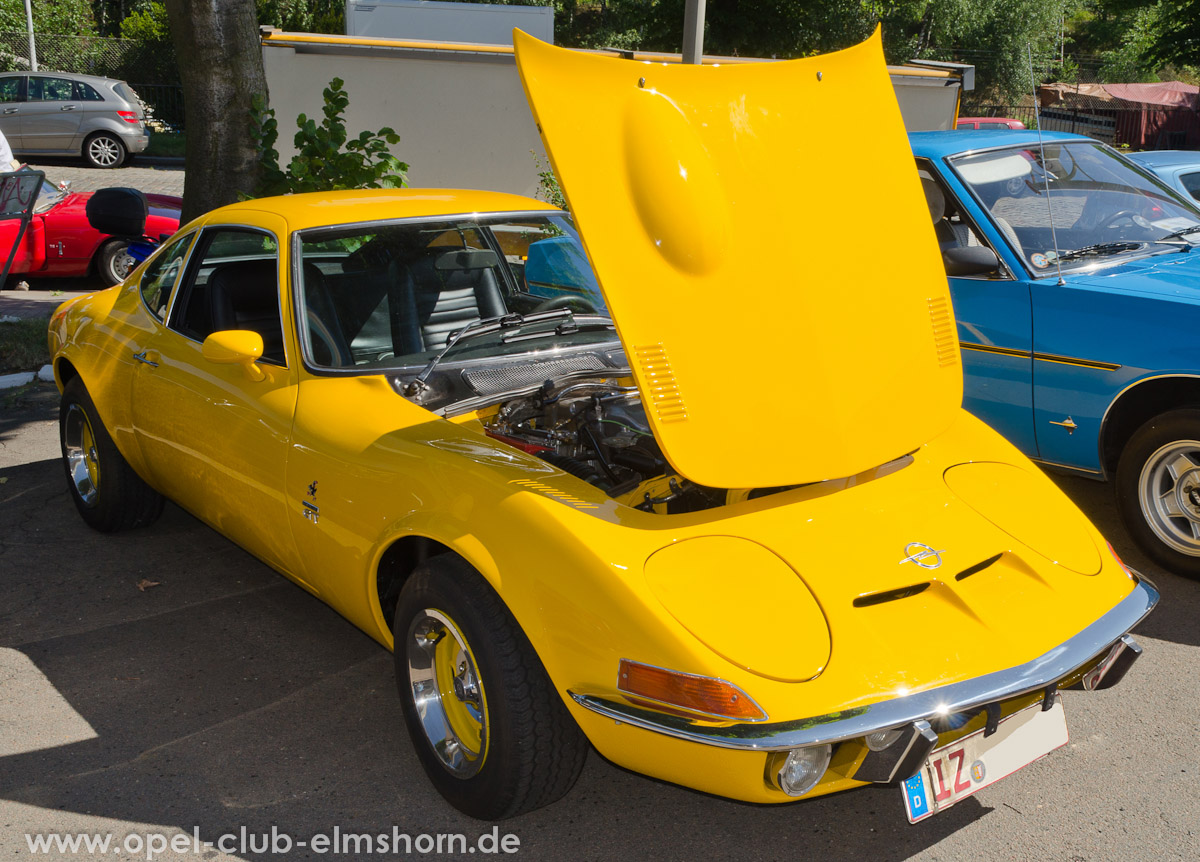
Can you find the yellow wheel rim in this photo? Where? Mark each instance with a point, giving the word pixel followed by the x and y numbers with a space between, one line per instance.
pixel 447 692
pixel 79 450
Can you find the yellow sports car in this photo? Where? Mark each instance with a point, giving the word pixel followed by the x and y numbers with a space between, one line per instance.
pixel 683 475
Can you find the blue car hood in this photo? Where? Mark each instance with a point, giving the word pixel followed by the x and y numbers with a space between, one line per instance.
pixel 1168 276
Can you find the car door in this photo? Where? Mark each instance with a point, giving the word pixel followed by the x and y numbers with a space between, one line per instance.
pixel 12 97
pixel 51 115
pixel 993 312
pixel 212 438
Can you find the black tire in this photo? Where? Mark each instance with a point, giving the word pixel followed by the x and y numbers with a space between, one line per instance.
pixel 106 491
pixel 1158 490
pixel 528 752
pixel 104 150
pixel 113 262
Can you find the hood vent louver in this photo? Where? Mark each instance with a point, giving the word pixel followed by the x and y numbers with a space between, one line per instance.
pixel 890 595
pixel 659 382
pixel 978 567
pixel 943 330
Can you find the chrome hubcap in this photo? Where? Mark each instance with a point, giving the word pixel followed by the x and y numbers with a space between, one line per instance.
pixel 1169 494
pixel 447 692
pixel 122 264
pixel 83 463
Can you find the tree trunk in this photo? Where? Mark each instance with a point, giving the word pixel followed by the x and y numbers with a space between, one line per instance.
pixel 220 61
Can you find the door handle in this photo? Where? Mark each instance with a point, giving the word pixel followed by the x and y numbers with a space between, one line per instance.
pixel 11 110
pixel 142 357
pixel 67 108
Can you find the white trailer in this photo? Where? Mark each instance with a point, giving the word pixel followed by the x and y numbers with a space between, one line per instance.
pixel 460 110
pixel 429 20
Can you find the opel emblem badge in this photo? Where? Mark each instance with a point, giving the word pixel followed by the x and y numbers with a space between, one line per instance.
pixel 922 555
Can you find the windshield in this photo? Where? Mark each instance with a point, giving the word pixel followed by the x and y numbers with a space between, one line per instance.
pixel 1103 209
pixel 394 295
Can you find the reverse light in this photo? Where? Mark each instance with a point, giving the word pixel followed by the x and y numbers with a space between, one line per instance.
pixel 128 116
pixel 702 694
pixel 802 768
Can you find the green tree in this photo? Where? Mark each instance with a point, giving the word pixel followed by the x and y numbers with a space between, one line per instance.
pixel 60 17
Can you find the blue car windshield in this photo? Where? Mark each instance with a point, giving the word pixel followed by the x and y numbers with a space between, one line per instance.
pixel 1103 209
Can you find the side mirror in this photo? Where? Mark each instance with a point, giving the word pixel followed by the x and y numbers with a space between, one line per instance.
pixel 973 260
pixel 236 347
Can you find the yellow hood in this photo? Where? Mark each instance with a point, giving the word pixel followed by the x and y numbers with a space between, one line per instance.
pixel 761 237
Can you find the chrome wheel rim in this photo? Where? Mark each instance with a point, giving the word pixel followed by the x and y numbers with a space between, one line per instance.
pixel 104 151
pixel 83 462
pixel 447 692
pixel 1169 494
pixel 121 264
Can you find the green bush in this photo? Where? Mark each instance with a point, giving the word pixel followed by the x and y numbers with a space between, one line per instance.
pixel 326 159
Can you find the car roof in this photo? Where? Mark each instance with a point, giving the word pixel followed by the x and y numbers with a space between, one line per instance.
pixel 1167 157
pixel 320 209
pixel 71 76
pixel 933 145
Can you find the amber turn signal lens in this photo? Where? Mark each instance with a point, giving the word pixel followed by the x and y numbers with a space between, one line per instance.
pixel 702 694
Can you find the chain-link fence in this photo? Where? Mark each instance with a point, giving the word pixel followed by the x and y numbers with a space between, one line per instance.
pixel 149 67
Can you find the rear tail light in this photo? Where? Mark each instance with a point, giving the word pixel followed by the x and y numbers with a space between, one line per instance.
pixel 129 116
pixel 702 694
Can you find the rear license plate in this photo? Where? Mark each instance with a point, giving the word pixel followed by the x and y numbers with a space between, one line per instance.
pixel 958 770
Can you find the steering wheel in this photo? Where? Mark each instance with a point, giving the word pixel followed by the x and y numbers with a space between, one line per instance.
pixel 1129 215
pixel 577 304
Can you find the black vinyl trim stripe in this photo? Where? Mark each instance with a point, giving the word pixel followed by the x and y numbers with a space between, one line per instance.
pixel 1043 357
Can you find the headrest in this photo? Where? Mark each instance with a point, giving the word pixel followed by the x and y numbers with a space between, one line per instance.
pixel 466 258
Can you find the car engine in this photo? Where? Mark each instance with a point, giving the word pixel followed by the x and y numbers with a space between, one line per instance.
pixel 598 431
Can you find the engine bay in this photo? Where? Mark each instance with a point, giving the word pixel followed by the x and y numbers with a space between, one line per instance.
pixel 597 431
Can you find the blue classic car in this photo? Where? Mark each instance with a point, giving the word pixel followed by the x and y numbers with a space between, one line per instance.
pixel 1178 168
pixel 1076 284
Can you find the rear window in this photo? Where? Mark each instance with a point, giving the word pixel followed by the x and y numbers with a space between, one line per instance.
pixel 1191 182
pixel 125 92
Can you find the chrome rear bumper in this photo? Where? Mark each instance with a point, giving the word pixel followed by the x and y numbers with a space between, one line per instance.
pixel 1106 635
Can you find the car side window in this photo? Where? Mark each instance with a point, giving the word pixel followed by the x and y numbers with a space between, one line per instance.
pixel 232 283
pixel 158 281
pixel 951 224
pixel 10 89
pixel 1191 182
pixel 50 89
pixel 86 93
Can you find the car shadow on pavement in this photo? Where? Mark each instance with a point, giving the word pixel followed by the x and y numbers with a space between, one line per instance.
pixel 220 696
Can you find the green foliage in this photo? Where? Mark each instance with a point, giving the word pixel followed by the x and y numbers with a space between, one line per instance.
pixel 548 188
pixel 23 345
pixel 326 159
pixel 147 23
pixel 303 16
pixel 61 17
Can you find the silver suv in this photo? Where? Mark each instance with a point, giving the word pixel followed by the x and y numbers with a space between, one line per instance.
pixel 61 114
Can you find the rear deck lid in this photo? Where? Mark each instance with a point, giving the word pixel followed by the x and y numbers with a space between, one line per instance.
pixel 767 256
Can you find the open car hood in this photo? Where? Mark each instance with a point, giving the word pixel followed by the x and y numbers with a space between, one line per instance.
pixel 769 263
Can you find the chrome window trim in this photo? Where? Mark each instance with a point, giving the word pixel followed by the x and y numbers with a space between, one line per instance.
pixel 1173 193
pixel 297 265
pixel 190 236
pixel 1089 644
pixel 200 232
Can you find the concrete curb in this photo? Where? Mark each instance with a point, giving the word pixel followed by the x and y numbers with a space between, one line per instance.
pixel 12 381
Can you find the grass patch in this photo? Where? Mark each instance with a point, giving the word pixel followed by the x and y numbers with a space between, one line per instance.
pixel 166 144
pixel 23 345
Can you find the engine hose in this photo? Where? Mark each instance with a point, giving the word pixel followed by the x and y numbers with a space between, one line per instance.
pixel 575 467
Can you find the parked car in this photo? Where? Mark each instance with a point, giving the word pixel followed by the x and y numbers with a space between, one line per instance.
pixel 59 242
pixel 680 496
pixel 1179 169
pixel 1076 296
pixel 989 123
pixel 63 114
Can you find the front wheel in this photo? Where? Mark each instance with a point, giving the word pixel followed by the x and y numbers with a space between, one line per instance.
pixel 114 262
pixel 104 150
pixel 490 730
pixel 1158 490
pixel 109 495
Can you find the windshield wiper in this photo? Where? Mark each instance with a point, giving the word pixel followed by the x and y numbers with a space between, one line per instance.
pixel 480 327
pixel 591 323
pixel 1101 248
pixel 1180 234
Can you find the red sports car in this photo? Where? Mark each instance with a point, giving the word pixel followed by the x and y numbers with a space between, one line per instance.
pixel 59 241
